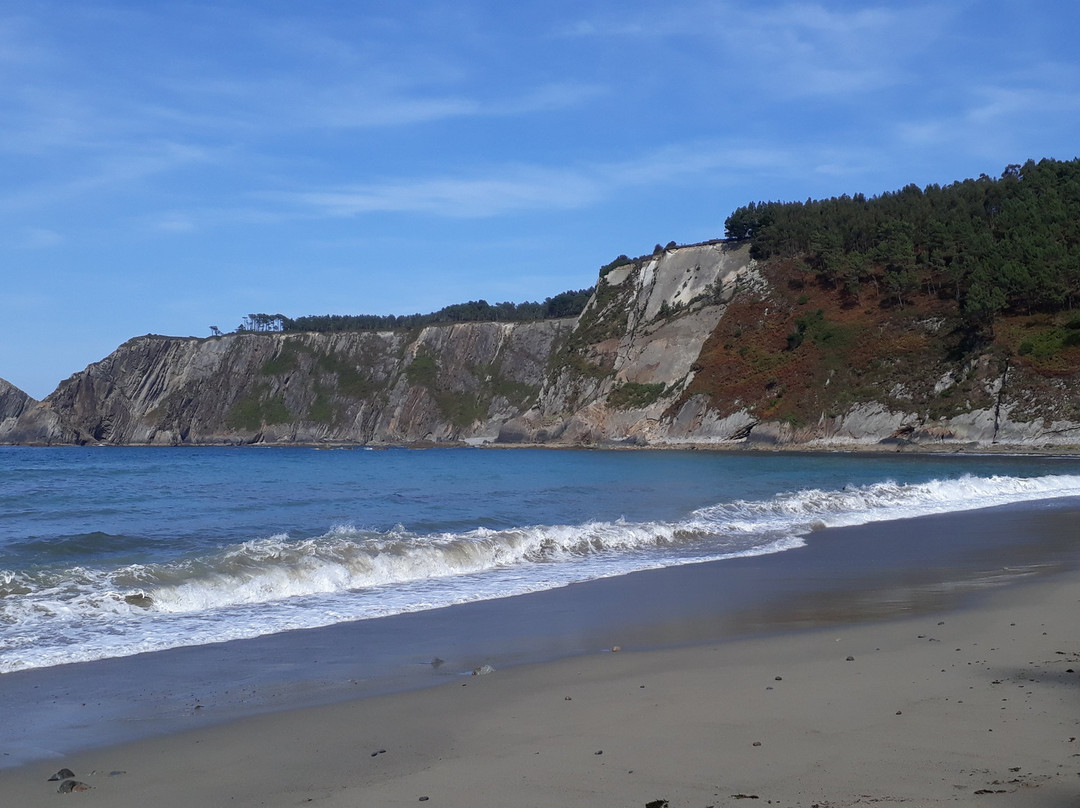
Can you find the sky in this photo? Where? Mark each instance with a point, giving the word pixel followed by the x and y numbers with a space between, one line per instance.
pixel 168 166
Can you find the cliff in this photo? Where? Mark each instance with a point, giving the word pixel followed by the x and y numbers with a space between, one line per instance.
pixel 442 384
pixel 696 345
pixel 13 401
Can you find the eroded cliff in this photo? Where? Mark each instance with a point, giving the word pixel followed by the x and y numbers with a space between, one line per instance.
pixel 445 384
pixel 695 345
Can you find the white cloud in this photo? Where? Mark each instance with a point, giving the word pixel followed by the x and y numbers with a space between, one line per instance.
pixel 997 105
pixel 512 189
pixel 792 49
pixel 996 120
pixel 117 170
pixel 515 190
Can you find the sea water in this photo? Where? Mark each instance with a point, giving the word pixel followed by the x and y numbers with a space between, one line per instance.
pixel 109 552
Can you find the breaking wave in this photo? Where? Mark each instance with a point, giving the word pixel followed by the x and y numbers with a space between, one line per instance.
pixel 277 583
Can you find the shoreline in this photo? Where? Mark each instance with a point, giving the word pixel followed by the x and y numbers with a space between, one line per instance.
pixel 287 718
pixel 875 449
pixel 940 707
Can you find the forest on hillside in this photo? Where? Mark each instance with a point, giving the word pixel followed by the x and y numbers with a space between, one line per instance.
pixel 1004 245
pixel 566 304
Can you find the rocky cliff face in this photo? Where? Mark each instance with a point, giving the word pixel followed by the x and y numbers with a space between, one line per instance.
pixel 13 401
pixel 695 345
pixel 632 353
pixel 456 383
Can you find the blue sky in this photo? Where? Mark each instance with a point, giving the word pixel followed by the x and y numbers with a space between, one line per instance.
pixel 167 166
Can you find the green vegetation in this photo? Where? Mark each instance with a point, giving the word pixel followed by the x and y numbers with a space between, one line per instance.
pixel 321 410
pixel 461 409
pixel 286 360
pixel 606 319
pixel 993 246
pixel 634 396
pixel 252 412
pixel 422 370
pixel 621 261
pixel 825 334
pixel 350 381
pixel 565 304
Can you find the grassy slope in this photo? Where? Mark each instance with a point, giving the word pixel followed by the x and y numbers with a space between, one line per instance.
pixel 804 348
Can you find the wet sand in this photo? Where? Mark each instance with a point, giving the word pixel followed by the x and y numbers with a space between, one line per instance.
pixel 929 661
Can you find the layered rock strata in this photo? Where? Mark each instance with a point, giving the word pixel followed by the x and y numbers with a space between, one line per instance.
pixel 622 373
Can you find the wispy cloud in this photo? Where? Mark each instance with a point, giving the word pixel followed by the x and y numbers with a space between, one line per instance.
pixel 108 173
pixel 511 189
pixel 514 190
pixel 996 118
pixel 791 49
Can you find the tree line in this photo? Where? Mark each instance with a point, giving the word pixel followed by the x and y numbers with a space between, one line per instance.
pixel 566 304
pixel 992 244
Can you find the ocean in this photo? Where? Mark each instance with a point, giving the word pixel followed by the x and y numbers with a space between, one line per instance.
pixel 110 552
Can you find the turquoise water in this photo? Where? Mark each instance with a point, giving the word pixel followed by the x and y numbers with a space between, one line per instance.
pixel 108 552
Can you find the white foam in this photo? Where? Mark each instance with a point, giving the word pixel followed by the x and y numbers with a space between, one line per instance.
pixel 278 583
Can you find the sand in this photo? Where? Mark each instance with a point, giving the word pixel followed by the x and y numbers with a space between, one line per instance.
pixel 976 705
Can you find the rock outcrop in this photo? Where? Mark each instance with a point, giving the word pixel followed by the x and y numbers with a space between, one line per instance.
pixel 456 383
pixel 694 345
pixel 24 420
pixel 13 401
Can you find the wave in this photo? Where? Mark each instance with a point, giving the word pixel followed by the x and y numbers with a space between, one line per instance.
pixel 330 571
pixel 889 500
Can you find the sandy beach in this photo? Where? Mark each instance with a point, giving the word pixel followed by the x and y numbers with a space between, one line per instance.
pixel 976 705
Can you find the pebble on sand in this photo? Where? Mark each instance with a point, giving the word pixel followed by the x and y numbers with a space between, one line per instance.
pixel 68 786
pixel 63 774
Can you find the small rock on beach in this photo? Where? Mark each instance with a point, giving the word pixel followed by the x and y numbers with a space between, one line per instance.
pixel 68 786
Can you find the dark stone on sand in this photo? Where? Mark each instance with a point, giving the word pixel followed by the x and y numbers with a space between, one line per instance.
pixel 657 804
pixel 424 799
pixel 62 775
pixel 598 752
pixel 779 678
pixel 756 743
pixel 851 659
pixel 68 786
